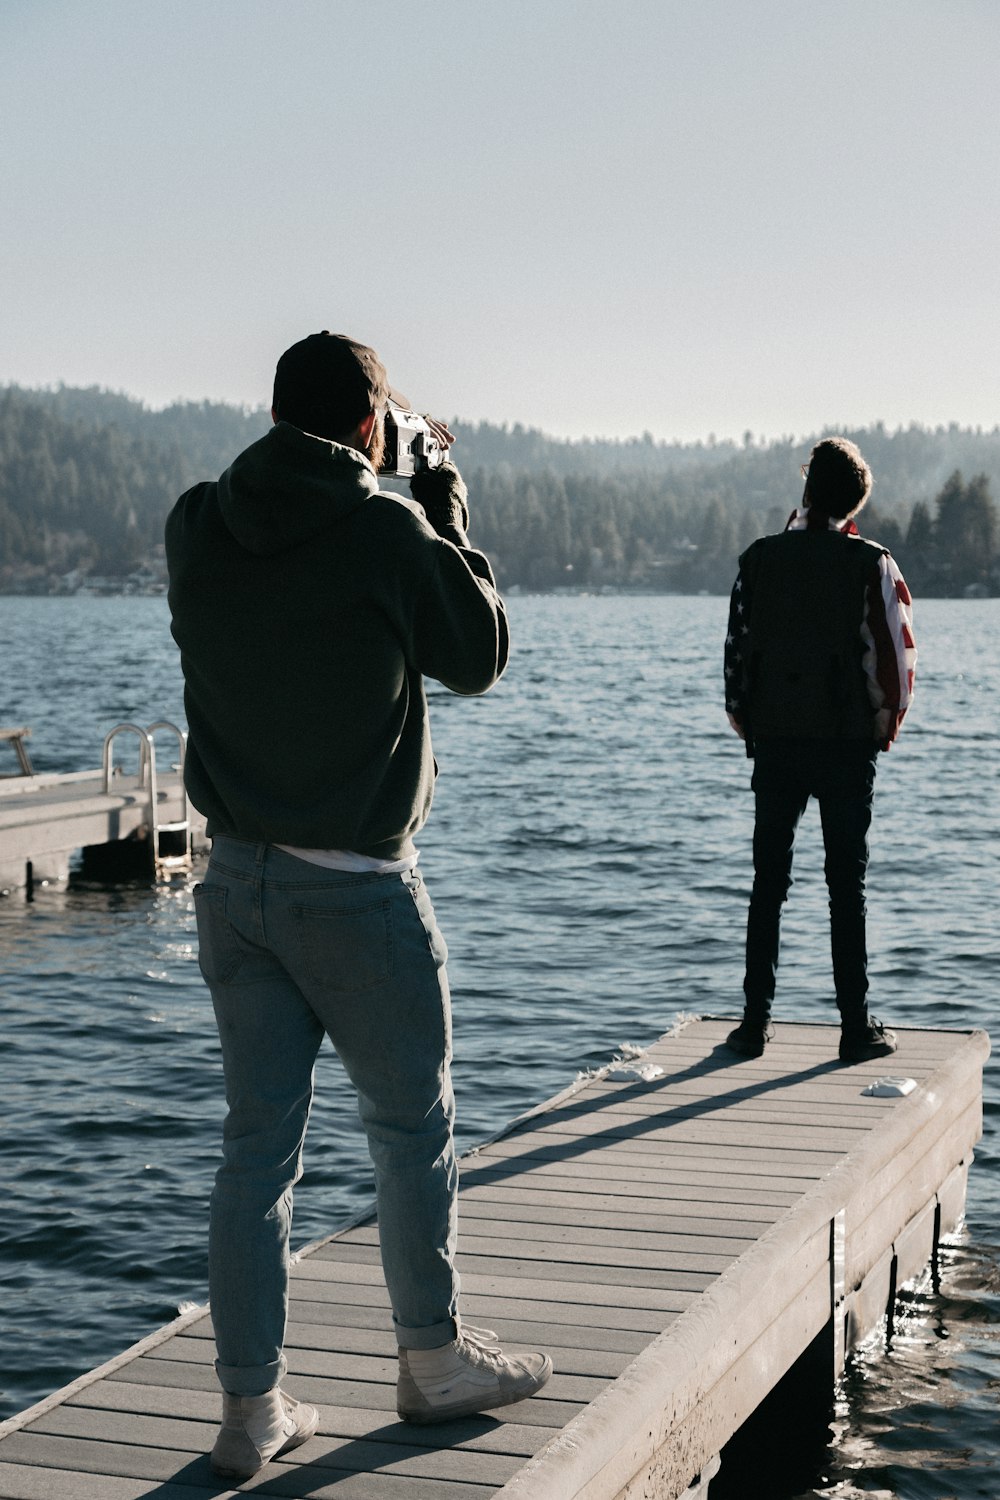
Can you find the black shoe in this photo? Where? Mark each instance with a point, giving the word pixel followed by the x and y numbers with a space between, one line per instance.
pixel 750 1038
pixel 866 1043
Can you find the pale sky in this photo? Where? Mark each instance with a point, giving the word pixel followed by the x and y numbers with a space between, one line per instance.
pixel 592 216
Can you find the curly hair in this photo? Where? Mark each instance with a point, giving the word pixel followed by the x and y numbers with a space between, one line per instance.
pixel 839 481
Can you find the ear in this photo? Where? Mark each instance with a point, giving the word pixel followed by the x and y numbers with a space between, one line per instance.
pixel 274 415
pixel 365 429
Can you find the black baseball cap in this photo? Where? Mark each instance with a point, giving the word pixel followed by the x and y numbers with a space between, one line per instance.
pixel 327 383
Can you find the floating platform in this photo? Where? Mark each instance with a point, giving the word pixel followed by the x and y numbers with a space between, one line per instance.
pixel 123 824
pixel 676 1243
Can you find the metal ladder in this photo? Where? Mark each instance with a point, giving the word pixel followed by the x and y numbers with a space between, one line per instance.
pixel 161 863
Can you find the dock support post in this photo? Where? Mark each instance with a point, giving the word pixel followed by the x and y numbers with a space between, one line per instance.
pixel 49 868
pixel 838 1290
pixel 951 1200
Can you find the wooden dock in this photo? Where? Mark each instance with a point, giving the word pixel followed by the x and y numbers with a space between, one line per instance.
pixel 114 817
pixel 675 1244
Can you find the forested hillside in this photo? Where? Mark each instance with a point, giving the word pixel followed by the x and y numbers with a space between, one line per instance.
pixel 87 477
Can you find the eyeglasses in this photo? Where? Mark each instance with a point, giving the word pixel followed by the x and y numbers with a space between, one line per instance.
pixel 804 470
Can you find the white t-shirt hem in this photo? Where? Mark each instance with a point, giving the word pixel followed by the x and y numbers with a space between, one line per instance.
pixel 350 862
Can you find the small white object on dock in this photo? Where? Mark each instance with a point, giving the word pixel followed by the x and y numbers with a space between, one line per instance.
pixel 890 1088
pixel 634 1073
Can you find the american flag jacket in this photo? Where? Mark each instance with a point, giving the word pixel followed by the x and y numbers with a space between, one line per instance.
pixel 886 630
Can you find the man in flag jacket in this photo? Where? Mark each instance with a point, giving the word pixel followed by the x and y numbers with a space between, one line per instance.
pixel 819 666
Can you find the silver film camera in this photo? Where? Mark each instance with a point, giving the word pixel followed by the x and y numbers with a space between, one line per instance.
pixel 410 445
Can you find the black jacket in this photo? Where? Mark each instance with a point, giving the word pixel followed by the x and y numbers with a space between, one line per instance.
pixel 308 607
pixel 802 651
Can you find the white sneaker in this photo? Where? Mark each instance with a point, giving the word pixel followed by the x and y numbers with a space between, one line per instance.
pixel 257 1428
pixel 468 1375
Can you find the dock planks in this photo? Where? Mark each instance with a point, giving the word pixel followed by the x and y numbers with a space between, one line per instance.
pixel 675 1246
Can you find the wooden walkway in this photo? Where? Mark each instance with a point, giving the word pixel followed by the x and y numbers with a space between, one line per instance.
pixel 674 1244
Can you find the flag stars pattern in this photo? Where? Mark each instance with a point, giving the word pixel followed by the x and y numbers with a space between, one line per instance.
pixel 733 667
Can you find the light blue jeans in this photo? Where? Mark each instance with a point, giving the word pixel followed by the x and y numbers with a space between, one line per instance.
pixel 291 953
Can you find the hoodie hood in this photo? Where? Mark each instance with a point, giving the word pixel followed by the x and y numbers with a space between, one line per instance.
pixel 289 486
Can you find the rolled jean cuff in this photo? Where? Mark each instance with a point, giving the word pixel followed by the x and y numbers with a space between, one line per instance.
pixel 251 1380
pixel 432 1336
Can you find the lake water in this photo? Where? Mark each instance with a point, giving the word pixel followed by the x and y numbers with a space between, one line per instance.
pixel 589 859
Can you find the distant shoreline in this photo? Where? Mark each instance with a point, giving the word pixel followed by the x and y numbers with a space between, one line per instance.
pixel 512 591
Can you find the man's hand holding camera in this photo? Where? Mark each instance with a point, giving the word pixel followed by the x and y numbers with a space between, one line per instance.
pixel 444 498
pixel 417 449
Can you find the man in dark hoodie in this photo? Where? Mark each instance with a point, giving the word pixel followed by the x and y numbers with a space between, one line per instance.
pixel 308 608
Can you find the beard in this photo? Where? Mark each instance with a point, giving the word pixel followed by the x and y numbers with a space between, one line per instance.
pixel 376 445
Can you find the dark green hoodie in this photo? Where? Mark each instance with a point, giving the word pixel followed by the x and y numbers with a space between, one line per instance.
pixel 308 607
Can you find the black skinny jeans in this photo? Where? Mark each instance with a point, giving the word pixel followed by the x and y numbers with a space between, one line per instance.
pixel 840 774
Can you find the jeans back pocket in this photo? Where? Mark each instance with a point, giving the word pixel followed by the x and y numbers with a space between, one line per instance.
pixel 346 948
